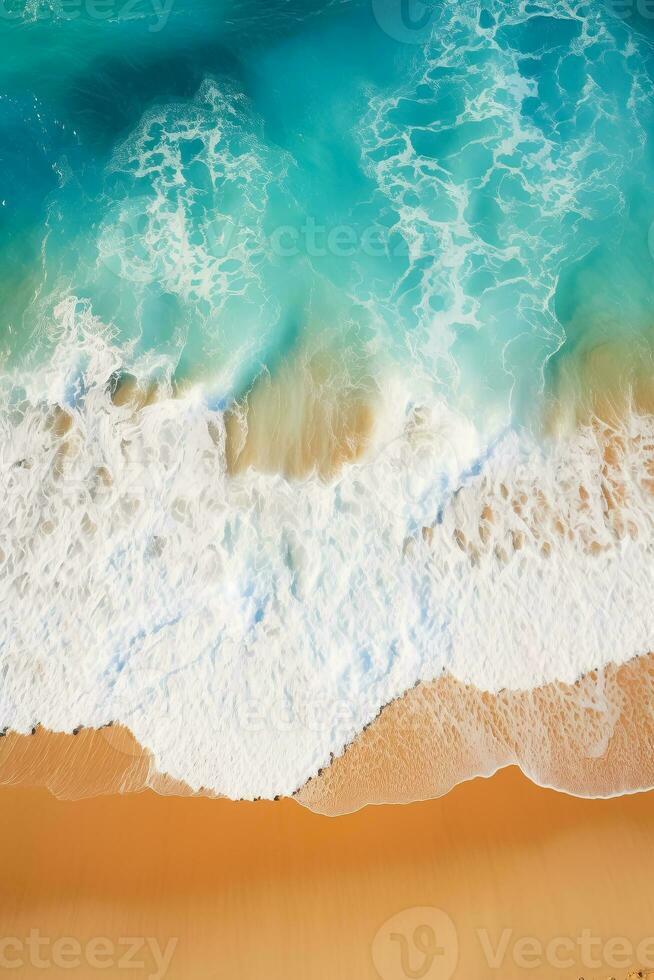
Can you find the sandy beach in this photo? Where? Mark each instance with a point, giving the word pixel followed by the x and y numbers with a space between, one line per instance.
pixel 498 879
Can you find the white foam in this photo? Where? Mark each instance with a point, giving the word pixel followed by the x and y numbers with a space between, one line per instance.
pixel 245 629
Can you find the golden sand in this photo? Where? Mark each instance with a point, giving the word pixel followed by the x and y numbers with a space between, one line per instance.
pixel 310 417
pixel 503 872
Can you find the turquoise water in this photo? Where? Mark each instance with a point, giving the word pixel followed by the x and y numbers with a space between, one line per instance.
pixel 451 203
pixel 462 189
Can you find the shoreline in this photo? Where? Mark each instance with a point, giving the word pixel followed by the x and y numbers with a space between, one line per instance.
pixel 492 588
pixel 420 746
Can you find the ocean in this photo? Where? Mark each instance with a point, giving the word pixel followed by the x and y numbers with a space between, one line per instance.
pixel 325 365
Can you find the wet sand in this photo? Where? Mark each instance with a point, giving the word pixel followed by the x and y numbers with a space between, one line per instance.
pixel 594 738
pixel 311 416
pixel 271 890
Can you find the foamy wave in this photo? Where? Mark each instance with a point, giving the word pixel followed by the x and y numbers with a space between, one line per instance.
pixel 593 738
pixel 590 739
pixel 246 628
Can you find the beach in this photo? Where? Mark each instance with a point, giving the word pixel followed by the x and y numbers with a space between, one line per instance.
pixel 324 376
pixel 514 879
pixel 591 738
pixel 327 481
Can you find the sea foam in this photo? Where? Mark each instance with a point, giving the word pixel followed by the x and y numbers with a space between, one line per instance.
pixel 246 628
